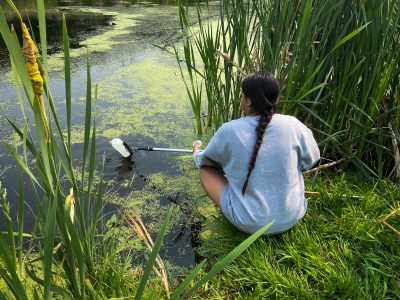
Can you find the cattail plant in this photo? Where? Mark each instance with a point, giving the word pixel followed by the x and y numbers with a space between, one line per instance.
pixel 31 55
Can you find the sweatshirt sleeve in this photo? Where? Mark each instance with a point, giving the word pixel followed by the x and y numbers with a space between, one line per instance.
pixel 216 152
pixel 309 152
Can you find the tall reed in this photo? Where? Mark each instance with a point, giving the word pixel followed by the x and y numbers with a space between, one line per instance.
pixel 337 63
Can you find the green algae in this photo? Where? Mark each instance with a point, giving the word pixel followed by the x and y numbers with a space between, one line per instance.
pixel 102 42
pixel 144 98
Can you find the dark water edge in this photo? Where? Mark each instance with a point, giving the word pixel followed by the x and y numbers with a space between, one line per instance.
pixel 31 4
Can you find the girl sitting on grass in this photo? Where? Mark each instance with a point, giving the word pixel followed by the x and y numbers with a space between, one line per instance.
pixel 251 168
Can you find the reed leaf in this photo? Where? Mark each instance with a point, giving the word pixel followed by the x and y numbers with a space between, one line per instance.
pixel 22 164
pixel 49 233
pixel 20 221
pixel 13 282
pixel 67 78
pixel 227 259
pixel 350 36
pixel 88 114
pixel 16 56
pixel 43 35
pixel 178 292
pixel 16 78
pixel 153 256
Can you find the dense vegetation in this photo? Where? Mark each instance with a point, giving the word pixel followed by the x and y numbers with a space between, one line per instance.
pixel 337 79
pixel 337 63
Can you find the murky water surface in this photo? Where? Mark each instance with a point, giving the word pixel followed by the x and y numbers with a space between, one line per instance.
pixel 141 99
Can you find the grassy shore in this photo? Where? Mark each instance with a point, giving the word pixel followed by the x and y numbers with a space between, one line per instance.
pixel 340 250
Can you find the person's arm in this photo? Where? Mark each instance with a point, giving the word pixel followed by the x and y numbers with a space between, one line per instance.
pixel 215 153
pixel 309 153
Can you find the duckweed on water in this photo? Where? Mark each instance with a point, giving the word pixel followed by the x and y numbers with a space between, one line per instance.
pixel 138 99
pixel 101 42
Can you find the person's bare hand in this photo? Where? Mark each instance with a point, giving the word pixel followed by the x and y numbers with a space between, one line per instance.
pixel 196 145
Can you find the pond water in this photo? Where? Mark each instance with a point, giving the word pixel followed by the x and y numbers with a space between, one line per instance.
pixel 141 99
pixel 31 4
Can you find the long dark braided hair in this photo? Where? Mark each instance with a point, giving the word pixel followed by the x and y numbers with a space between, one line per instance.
pixel 263 90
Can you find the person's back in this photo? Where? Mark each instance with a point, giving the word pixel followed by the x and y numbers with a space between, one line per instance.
pixel 261 157
pixel 276 189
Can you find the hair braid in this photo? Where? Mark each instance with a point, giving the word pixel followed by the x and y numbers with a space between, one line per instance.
pixel 260 129
pixel 263 90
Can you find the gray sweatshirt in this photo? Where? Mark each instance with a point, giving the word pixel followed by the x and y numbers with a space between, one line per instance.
pixel 276 188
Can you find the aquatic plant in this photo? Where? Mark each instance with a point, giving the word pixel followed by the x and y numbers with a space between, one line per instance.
pixel 328 56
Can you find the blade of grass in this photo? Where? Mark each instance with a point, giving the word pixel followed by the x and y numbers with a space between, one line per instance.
pixel 88 114
pixel 62 292
pixel 17 85
pixel 67 76
pixel 13 283
pixel 226 260
pixel 22 164
pixel 14 8
pixel 350 36
pixel 153 256
pixel 20 221
pixel 43 36
pixel 176 294
pixel 44 150
pixel 5 209
pixel 49 233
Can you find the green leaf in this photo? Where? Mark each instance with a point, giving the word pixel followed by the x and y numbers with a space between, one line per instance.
pixel 45 155
pixel 17 84
pixel 187 281
pixel 227 259
pixel 22 135
pixel 5 208
pixel 350 36
pixel 13 282
pixel 55 288
pixel 14 8
pixel 67 76
pixel 49 235
pixel 22 164
pixel 43 36
pixel 88 115
pixel 92 159
pixel 16 55
pixel 153 256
